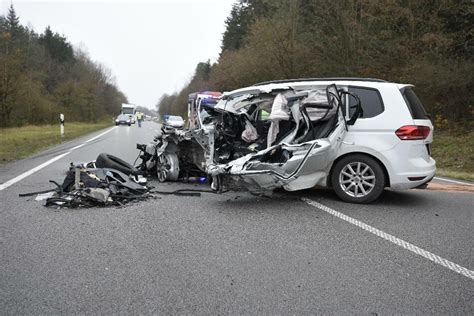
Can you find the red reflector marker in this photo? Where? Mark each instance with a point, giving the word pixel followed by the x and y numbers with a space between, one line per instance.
pixel 412 132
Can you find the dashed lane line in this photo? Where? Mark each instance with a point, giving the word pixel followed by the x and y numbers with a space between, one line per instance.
pixel 397 241
pixel 10 182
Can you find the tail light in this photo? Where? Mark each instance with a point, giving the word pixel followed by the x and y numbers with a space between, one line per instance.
pixel 412 132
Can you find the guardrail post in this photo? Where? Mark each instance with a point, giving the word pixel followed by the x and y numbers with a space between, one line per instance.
pixel 61 125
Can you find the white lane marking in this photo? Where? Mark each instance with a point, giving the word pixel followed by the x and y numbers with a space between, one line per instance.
pixel 453 181
pixel 10 182
pixel 397 241
pixel 93 138
pixel 5 185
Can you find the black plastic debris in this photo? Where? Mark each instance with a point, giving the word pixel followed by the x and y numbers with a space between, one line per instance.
pixel 86 185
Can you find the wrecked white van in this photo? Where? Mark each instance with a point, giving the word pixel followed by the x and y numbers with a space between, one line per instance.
pixel 355 135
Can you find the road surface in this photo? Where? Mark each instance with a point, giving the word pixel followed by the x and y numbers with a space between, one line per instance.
pixel 306 252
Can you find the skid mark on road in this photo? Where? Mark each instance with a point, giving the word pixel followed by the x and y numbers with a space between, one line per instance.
pixel 397 241
pixel 10 182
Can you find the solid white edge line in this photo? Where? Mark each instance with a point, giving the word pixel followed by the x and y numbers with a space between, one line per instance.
pixel 100 135
pixel 5 185
pixel 453 181
pixel 10 182
pixel 397 241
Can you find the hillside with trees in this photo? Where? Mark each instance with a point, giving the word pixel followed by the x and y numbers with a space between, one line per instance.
pixel 426 43
pixel 42 75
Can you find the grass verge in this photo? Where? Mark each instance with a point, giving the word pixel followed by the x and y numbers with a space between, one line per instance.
pixel 20 142
pixel 454 154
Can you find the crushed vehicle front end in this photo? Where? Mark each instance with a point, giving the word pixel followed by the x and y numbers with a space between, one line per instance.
pixel 181 149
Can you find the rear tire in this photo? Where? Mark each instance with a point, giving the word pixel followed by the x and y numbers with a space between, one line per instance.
pixel 358 179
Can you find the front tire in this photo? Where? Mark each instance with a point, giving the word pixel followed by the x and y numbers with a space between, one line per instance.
pixel 167 167
pixel 358 179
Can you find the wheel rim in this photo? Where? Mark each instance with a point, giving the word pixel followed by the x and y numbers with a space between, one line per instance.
pixel 163 167
pixel 357 179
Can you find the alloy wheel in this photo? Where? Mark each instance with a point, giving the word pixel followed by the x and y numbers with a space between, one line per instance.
pixel 357 179
pixel 163 167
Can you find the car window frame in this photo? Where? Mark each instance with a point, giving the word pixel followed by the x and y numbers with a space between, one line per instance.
pixel 364 88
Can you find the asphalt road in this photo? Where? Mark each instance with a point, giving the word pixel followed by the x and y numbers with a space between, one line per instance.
pixel 232 253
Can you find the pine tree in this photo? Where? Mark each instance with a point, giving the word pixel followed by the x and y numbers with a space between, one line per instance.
pixel 13 22
pixel 241 17
pixel 57 46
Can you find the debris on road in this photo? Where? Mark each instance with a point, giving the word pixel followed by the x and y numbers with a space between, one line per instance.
pixel 88 185
pixel 107 181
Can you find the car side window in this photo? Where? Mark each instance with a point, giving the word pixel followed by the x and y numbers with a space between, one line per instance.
pixel 370 99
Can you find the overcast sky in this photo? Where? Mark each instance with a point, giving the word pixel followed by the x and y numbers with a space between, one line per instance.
pixel 152 47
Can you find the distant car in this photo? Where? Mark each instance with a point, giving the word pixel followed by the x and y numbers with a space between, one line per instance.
pixel 123 119
pixel 173 121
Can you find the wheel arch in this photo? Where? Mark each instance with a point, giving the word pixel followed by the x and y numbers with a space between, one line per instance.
pixel 382 165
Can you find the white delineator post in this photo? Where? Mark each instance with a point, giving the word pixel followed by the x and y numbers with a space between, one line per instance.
pixel 61 124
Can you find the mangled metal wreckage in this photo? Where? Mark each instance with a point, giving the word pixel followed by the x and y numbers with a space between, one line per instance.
pixel 256 139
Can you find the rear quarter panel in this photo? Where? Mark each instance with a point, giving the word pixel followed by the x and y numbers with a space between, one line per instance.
pixel 376 135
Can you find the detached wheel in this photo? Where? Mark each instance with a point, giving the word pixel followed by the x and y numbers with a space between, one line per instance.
pixel 358 179
pixel 167 167
pixel 112 162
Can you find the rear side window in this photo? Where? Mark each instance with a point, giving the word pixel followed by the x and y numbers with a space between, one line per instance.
pixel 414 104
pixel 370 100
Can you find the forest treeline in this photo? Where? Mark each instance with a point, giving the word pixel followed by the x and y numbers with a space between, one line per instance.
pixel 428 43
pixel 42 75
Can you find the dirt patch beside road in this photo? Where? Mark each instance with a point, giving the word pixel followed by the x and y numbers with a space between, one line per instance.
pixel 450 187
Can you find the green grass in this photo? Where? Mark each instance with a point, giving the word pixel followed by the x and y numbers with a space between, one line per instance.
pixel 454 154
pixel 20 142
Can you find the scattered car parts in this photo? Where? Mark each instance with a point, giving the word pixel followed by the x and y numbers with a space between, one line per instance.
pixel 87 185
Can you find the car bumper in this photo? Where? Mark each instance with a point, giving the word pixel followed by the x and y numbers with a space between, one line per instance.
pixel 420 173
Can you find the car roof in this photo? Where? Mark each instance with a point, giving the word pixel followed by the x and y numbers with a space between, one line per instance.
pixel 306 83
pixel 320 79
